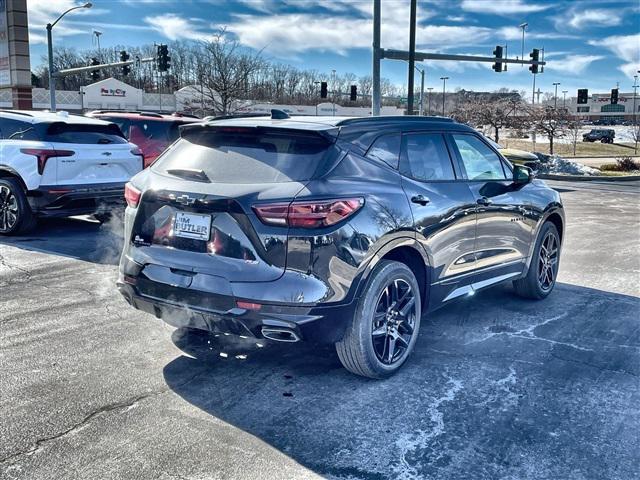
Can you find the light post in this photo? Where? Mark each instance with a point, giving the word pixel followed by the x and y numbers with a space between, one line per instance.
pixel 555 96
pixel 52 83
pixel 564 99
pixel 523 26
pixel 635 90
pixel 429 101
pixel 444 86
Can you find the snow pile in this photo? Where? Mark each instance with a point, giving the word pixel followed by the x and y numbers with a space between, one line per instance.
pixel 556 165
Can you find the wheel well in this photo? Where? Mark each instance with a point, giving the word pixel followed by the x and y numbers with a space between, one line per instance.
pixel 412 259
pixel 557 221
pixel 10 174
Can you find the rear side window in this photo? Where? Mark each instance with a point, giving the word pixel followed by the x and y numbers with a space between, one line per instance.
pixel 16 130
pixel 248 157
pixel 386 149
pixel 151 130
pixel 87 134
pixel 426 157
pixel 480 162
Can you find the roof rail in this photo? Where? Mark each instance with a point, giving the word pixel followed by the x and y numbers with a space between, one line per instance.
pixel 15 112
pixel 387 118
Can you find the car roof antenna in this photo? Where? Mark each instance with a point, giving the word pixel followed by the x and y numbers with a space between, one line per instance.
pixel 279 114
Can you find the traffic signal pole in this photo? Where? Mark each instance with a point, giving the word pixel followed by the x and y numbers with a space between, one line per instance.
pixel 375 74
pixel 412 56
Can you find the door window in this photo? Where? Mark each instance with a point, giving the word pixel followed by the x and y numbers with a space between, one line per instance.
pixel 480 162
pixel 16 130
pixel 426 157
pixel 386 149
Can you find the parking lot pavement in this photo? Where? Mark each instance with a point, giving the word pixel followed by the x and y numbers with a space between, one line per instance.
pixel 498 387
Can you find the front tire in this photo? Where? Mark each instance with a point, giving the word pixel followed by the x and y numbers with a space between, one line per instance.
pixel 15 212
pixel 385 327
pixel 543 269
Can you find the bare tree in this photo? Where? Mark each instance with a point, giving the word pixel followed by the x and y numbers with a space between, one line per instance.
pixel 548 121
pixel 573 131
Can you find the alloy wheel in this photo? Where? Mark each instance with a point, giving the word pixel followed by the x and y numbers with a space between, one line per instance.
pixel 548 262
pixel 394 322
pixel 8 209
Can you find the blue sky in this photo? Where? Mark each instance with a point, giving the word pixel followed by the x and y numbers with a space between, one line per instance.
pixel 588 44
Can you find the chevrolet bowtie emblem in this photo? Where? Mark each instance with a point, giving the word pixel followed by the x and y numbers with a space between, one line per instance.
pixel 107 154
pixel 185 200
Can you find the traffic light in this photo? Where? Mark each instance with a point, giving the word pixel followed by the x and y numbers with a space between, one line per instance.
pixel 498 54
pixel 95 74
pixel 614 96
pixel 126 69
pixel 583 96
pixel 353 96
pixel 535 56
pixel 164 60
pixel 324 93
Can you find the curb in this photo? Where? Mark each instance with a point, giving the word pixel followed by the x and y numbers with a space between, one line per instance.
pixel 588 178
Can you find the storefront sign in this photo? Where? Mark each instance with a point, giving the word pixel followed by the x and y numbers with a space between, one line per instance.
pixel 111 92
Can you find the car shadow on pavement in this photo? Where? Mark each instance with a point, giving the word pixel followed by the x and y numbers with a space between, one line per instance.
pixel 82 238
pixel 496 387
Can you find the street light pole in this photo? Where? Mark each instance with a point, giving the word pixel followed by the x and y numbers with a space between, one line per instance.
pixel 429 101
pixel 444 85
pixel 52 78
pixel 564 99
pixel 523 26
pixel 555 96
pixel 412 55
pixel 635 90
pixel 422 92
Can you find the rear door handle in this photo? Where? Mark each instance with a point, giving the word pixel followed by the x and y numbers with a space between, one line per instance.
pixel 484 201
pixel 420 199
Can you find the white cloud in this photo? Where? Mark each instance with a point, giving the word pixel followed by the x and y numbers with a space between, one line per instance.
pixel 626 48
pixel 502 7
pixel 597 17
pixel 572 63
pixel 175 27
pixel 515 33
pixel 42 12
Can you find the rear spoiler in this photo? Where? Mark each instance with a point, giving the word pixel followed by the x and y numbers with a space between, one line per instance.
pixel 329 134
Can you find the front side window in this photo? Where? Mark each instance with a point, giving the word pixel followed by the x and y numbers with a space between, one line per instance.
pixel 386 149
pixel 480 162
pixel 426 157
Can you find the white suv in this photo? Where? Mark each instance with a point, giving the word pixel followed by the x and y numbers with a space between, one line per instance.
pixel 56 164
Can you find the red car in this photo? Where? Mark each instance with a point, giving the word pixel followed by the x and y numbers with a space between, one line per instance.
pixel 151 132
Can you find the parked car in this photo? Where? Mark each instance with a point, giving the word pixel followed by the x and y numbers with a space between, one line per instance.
pixel 604 135
pixel 330 229
pixel 152 132
pixel 56 164
pixel 515 156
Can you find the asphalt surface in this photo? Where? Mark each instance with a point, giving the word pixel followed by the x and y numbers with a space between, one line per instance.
pixel 497 387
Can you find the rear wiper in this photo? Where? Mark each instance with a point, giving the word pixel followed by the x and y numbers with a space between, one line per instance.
pixel 190 174
pixel 104 141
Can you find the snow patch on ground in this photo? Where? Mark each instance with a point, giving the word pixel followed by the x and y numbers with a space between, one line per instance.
pixel 555 164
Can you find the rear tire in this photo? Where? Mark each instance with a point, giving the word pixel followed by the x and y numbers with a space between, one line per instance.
pixel 15 212
pixel 385 326
pixel 543 269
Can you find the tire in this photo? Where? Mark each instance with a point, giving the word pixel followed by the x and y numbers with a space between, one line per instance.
pixel 535 285
pixel 366 348
pixel 103 217
pixel 15 213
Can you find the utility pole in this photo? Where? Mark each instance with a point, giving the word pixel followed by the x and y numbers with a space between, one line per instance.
pixel 444 85
pixel 422 92
pixel 555 96
pixel 429 88
pixel 412 55
pixel 377 54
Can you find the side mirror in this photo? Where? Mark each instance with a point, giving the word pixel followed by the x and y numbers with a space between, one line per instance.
pixel 522 175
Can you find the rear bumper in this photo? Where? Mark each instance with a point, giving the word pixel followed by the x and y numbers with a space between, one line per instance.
pixel 67 200
pixel 320 324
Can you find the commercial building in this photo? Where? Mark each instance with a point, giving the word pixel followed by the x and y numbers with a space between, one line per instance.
pixel 600 108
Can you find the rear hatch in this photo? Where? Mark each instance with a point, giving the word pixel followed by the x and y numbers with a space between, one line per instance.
pixel 196 214
pixel 92 153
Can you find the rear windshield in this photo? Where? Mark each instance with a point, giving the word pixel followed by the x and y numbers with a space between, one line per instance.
pixel 88 134
pixel 248 157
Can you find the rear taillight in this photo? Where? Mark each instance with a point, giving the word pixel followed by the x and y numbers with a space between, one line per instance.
pixel 44 154
pixel 132 195
pixel 137 152
pixel 308 214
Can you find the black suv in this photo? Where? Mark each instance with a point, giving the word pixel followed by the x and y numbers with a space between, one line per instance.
pixel 329 229
pixel 604 135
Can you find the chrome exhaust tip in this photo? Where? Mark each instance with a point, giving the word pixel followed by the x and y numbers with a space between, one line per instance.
pixel 280 334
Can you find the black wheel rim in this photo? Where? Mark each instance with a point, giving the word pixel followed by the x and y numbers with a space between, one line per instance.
pixel 394 322
pixel 548 262
pixel 8 209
